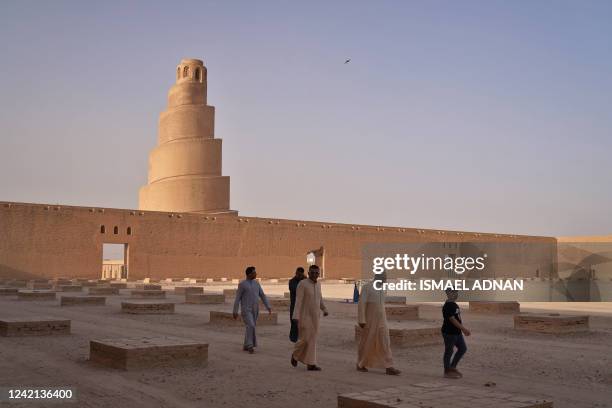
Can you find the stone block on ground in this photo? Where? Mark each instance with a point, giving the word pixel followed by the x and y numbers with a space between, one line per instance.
pixel 287 295
pixel 395 300
pixel 280 304
pixel 70 288
pixel 551 323
pixel 402 312
pixel 40 285
pixel 82 301
pixel 188 290
pixel 148 286
pixel 148 352
pixel 227 319
pixel 17 284
pixel 118 285
pixel 33 326
pixel 36 295
pixel 9 291
pixel 205 298
pixel 103 290
pixel 148 294
pixel 144 307
pixel 495 307
pixel 410 335
pixel 230 293
pixel 437 394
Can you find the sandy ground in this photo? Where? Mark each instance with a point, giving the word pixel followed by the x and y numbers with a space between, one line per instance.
pixel 574 370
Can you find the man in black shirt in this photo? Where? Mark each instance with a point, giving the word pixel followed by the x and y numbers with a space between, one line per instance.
pixel 293 284
pixel 452 330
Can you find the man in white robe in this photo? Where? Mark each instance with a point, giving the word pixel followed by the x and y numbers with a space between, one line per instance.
pixel 308 304
pixel 374 349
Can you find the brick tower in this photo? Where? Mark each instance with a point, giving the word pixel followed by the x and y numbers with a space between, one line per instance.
pixel 185 167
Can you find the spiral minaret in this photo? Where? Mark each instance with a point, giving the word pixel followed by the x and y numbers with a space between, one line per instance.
pixel 185 167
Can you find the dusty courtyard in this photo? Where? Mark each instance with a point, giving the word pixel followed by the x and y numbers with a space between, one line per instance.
pixel 574 370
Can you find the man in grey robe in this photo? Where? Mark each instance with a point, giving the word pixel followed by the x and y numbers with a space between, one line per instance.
pixel 247 297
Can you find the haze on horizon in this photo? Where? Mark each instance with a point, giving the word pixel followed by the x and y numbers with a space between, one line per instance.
pixel 481 115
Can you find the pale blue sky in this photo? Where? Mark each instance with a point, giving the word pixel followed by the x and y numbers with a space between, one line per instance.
pixel 492 116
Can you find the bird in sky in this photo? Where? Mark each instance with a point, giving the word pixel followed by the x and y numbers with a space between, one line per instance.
pixel 347 61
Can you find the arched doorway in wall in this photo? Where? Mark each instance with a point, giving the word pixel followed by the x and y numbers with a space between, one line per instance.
pixel 317 257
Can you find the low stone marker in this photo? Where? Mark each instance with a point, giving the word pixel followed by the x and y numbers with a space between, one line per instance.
pixel 227 319
pixel 188 290
pixel 281 304
pixel 103 290
pixel 287 295
pixel 230 293
pixel 205 298
pixel 403 312
pixel 70 288
pixel 148 286
pixel 551 323
pixel 414 335
pixel 9 291
pixel 35 295
pixel 118 285
pixel 147 307
pixel 395 300
pixel 148 352
pixel 40 286
pixel 33 326
pixel 82 301
pixel 88 284
pixel 17 284
pixel 437 394
pixel 495 307
pixel 149 294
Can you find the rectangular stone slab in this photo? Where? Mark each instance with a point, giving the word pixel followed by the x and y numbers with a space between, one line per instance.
pixel 70 288
pixel 35 295
pixel 144 307
pixel 118 285
pixel 402 312
pixel 205 298
pixel 188 290
pixel 551 323
pixel 287 295
pixel 396 300
pixel 33 326
pixel 227 319
pixel 103 290
pixel 82 301
pixel 40 286
pixel 416 335
pixel 438 394
pixel 281 304
pixel 149 294
pixel 230 293
pixel 495 307
pixel 17 284
pixel 148 352
pixel 9 291
pixel 148 286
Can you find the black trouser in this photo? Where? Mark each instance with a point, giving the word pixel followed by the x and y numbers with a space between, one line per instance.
pixel 450 342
